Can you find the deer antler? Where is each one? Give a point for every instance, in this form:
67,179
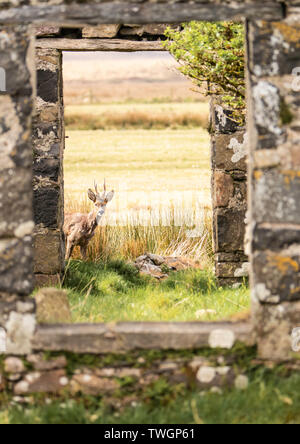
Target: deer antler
96,186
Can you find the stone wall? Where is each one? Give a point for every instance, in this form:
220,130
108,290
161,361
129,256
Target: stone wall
229,196
16,219
274,132
123,378
48,151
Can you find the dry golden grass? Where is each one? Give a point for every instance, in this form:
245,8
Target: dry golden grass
140,116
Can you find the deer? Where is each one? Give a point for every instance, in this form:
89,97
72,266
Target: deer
80,228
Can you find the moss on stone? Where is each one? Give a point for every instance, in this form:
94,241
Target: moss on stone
286,115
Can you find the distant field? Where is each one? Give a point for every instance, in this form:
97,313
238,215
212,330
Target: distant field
91,78
137,115
146,168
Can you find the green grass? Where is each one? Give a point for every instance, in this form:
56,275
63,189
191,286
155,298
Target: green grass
115,291
270,399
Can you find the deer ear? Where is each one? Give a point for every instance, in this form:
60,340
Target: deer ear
110,196
91,195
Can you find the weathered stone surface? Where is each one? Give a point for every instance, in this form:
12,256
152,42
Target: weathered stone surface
223,189
231,269
276,196
93,385
48,82
48,168
229,151
277,275
46,382
52,306
124,336
20,329
79,13
39,362
275,237
215,377
16,265
100,31
230,230
16,205
47,280
156,29
46,201
48,253
43,31
273,326
237,256
13,365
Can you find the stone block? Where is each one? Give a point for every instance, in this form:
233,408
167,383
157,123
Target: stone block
47,139
46,206
276,196
221,120
52,306
46,382
48,253
229,269
16,203
155,29
47,280
274,325
229,230
46,31
229,151
49,168
223,189
16,267
270,237
101,31
277,275
48,84
14,48
93,385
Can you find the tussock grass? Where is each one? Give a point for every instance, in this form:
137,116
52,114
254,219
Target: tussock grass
115,291
134,116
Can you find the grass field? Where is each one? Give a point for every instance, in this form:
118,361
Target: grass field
116,292
137,115
269,399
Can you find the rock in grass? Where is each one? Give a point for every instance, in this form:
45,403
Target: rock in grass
53,306
159,267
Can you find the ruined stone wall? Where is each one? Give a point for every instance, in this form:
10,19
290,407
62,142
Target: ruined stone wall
16,219
274,133
229,196
122,379
48,151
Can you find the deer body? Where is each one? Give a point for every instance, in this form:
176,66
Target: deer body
80,228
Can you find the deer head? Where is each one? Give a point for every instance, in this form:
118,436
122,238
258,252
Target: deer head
100,200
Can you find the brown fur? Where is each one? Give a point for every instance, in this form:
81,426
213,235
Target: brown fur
80,228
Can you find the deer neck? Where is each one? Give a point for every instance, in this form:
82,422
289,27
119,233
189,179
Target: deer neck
96,216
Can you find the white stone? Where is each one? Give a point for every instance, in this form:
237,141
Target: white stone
64,381
20,330
223,371
24,229
21,388
206,374
221,338
13,365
